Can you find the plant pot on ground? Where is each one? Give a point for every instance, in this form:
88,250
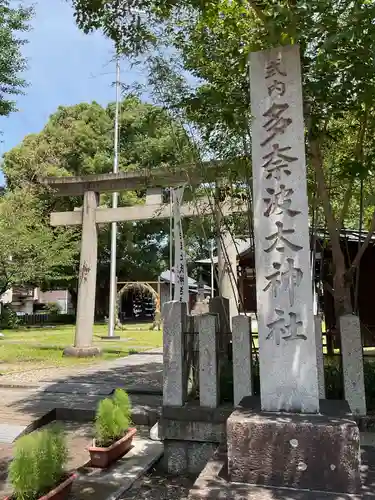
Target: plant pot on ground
113,434
37,471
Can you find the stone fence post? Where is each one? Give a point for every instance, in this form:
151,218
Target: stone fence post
352,363
242,362
175,317
319,355
208,362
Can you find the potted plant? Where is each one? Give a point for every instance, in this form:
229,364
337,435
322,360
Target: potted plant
113,434
37,471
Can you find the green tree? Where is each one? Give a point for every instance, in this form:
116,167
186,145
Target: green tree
13,21
213,40
30,250
78,140
75,141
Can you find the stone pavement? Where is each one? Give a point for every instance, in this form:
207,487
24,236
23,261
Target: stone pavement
36,376
81,389
136,372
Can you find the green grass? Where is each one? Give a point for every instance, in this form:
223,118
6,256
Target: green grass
26,349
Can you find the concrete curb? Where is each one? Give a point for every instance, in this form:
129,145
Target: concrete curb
141,415
121,491
126,471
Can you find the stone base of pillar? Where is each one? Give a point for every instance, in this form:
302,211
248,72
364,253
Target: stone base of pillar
82,352
190,435
312,452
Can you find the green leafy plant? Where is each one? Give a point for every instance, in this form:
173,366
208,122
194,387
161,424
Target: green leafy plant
112,418
53,308
38,464
9,318
121,400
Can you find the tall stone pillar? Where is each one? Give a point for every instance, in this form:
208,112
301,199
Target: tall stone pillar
306,446
86,281
287,351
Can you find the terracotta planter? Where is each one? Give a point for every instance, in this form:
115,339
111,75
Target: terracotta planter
61,492
103,457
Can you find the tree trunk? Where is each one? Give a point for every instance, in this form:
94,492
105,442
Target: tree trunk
74,297
341,290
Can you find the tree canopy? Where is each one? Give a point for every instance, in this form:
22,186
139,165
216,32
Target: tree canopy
212,40
31,252
13,21
78,140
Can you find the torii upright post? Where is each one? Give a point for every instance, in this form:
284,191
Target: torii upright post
86,281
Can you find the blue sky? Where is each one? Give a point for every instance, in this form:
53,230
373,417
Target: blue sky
65,67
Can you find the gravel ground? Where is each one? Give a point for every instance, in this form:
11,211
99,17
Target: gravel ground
36,375
157,485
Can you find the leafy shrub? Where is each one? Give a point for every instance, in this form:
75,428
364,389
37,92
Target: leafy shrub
53,308
112,418
9,318
333,378
121,400
38,464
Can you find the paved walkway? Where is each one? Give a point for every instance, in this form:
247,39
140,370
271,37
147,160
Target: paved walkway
36,376
81,388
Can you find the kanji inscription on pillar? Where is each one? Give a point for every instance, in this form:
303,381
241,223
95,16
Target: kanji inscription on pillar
288,367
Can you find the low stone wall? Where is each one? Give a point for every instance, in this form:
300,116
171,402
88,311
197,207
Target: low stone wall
191,434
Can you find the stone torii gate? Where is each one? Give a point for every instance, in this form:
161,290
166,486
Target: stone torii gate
92,214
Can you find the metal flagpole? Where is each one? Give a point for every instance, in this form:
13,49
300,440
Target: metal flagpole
113,285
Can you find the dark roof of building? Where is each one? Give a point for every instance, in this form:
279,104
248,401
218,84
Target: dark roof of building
168,276
244,245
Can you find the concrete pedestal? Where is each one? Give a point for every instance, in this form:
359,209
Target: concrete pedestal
316,452
213,484
191,434
82,352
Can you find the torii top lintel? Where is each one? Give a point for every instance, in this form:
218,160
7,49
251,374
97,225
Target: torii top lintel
122,181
